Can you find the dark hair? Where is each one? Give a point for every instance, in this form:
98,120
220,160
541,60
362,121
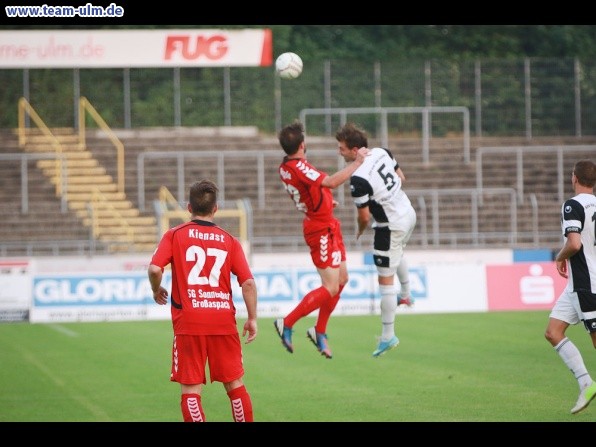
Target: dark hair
291,136
585,171
352,136
203,197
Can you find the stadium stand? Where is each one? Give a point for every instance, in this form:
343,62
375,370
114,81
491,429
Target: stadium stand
444,192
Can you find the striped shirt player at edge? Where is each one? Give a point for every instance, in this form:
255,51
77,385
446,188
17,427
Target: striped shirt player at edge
202,257
576,261
310,190
376,188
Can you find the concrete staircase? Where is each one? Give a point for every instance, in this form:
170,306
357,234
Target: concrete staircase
92,193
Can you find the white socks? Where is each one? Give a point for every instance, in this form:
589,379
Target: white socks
574,361
404,278
388,307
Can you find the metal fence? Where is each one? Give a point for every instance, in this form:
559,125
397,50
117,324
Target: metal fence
530,97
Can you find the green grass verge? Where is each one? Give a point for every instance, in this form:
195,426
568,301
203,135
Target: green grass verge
469,367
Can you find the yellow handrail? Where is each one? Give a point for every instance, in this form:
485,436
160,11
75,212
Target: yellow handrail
172,210
85,106
166,197
98,197
25,108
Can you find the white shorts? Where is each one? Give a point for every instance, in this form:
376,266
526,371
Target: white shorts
569,307
389,245
566,308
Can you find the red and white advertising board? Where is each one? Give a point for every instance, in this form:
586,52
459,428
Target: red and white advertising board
523,286
132,48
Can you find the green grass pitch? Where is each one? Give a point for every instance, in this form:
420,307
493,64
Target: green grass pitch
467,367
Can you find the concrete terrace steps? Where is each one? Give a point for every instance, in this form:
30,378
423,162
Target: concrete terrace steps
81,179
446,170
85,177
70,156
74,166
279,219
40,223
87,189
135,223
78,171
126,211
116,199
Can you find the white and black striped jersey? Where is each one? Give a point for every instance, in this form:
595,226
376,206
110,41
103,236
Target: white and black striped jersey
376,184
578,215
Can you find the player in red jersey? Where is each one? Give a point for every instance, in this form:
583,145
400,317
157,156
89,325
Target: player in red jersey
310,189
202,257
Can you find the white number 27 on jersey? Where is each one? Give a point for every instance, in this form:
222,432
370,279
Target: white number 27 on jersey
196,254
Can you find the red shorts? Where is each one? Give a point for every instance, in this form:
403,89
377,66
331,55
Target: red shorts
190,354
326,243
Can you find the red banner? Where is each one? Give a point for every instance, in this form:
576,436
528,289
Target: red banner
526,285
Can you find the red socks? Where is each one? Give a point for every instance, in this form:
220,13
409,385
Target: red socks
192,411
325,312
241,404
312,300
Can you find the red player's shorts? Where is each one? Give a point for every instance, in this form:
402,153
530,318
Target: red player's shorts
326,242
190,354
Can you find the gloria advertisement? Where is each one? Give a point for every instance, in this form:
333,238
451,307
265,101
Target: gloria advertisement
108,291
127,295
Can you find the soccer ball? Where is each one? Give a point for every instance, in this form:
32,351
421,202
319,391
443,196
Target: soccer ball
288,65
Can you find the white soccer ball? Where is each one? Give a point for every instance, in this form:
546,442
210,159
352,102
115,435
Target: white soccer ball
288,65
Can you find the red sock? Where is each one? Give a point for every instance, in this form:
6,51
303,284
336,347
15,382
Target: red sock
241,404
311,301
192,411
325,312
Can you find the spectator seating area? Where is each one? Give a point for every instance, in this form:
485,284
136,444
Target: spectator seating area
451,211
